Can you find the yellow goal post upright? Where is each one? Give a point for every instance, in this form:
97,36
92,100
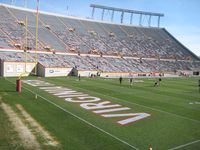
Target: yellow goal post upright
36,38
18,81
25,48
36,45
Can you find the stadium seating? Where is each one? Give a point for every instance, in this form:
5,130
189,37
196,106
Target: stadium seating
15,57
101,64
82,36
107,39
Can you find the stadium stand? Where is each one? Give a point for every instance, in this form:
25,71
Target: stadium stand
14,57
103,64
86,44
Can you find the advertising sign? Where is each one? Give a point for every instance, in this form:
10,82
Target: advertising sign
19,68
9,68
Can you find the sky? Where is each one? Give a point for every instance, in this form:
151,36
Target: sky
181,17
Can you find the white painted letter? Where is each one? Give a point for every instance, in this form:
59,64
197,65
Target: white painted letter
83,99
110,110
136,117
98,105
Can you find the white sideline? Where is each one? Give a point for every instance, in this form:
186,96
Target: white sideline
98,128
155,109
181,146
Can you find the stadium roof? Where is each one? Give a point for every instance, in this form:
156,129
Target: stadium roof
126,10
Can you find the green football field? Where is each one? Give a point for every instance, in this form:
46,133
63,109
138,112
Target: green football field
174,108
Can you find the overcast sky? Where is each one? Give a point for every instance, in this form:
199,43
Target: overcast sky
182,17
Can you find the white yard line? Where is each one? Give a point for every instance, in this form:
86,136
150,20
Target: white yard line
184,145
155,109
98,128
37,127
28,139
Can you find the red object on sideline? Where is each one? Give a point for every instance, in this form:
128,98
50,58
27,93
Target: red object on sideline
18,86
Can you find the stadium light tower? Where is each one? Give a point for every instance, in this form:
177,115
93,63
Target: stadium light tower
13,2
67,7
25,3
127,11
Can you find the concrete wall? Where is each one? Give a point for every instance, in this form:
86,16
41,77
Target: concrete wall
118,74
87,73
1,67
186,72
74,72
127,74
41,70
56,72
15,69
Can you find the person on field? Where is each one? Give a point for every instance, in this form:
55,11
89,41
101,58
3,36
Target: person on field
159,80
120,79
199,85
79,77
131,81
156,83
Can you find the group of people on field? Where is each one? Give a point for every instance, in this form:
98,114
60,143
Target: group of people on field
130,80
157,82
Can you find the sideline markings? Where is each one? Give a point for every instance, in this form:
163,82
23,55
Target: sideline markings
98,128
27,137
195,103
37,128
181,146
155,109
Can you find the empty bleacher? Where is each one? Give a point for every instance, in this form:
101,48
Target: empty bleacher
132,45
102,64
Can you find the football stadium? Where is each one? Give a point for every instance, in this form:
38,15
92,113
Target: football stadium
74,83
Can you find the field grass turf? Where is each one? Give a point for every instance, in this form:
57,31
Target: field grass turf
174,109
